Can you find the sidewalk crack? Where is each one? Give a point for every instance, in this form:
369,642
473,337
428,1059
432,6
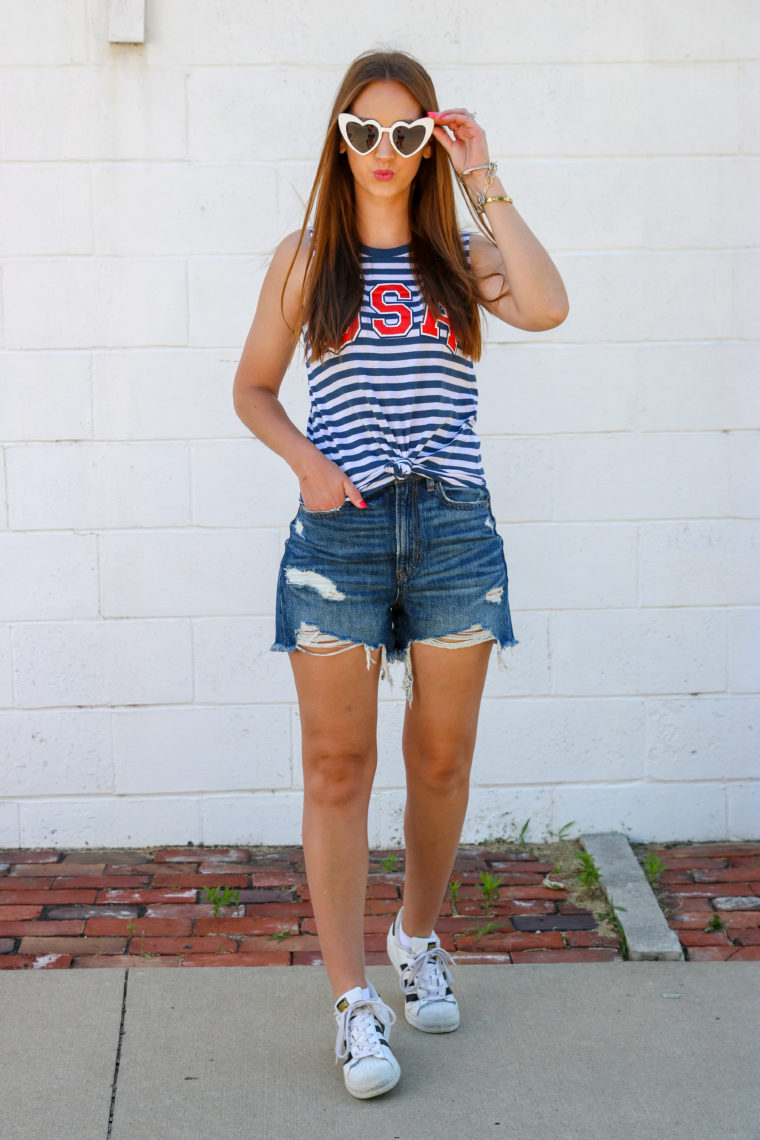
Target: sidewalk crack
118,1055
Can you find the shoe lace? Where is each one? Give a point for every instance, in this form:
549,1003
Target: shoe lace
430,972
358,1033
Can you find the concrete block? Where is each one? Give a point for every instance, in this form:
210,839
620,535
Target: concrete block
647,933
174,208
4,499
648,476
743,655
677,391
588,111
645,812
676,284
542,389
297,102
614,652
170,751
550,31
48,576
703,738
44,33
80,113
638,202
220,34
554,740
519,476
9,831
83,486
545,388
164,394
294,181
223,294
6,673
45,396
744,810
526,669
704,563
253,818
56,753
500,813
103,663
126,21
747,293
688,30
749,96
100,302
189,573
744,468
241,483
570,566
234,665
126,821
50,206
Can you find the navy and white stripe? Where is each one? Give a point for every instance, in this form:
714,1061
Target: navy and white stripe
396,400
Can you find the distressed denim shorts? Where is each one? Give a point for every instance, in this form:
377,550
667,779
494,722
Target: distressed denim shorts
423,561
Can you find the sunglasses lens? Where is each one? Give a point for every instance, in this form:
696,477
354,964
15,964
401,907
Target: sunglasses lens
409,139
361,136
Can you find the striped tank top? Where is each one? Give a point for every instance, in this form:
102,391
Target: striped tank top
399,398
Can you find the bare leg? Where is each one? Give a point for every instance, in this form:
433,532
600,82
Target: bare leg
337,698
439,740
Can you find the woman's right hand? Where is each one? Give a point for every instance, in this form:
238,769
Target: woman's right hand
324,487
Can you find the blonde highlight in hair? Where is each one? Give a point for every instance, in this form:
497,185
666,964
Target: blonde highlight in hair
333,283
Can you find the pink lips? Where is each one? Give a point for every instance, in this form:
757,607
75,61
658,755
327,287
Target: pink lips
383,175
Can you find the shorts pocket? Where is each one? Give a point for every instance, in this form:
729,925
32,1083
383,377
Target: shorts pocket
463,498
331,513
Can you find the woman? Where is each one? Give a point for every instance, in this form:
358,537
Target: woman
393,553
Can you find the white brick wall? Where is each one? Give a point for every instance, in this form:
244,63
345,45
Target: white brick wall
144,188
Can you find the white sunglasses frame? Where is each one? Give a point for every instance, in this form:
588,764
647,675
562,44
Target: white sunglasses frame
344,118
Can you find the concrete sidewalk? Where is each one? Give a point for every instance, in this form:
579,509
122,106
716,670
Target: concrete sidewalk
646,1050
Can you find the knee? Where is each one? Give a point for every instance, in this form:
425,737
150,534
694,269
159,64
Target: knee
337,779
442,772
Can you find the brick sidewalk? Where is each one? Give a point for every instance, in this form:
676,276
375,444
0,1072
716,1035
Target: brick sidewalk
711,896
135,908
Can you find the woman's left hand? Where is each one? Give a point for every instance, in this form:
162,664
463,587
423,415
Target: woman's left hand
468,147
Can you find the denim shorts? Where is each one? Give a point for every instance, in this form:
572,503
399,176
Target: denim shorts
422,560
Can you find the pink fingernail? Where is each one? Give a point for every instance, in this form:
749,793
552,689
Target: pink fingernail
362,503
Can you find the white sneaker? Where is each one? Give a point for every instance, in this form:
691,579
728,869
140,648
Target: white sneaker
425,979
369,1067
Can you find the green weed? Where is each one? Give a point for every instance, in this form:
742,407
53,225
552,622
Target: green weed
589,872
390,862
222,897
489,886
280,936
653,868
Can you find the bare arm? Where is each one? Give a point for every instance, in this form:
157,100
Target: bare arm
267,352
536,299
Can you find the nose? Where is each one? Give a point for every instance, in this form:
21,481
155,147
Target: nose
384,147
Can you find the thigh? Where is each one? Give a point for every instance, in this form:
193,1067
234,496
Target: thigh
337,701
442,720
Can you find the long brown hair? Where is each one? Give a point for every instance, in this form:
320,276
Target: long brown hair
333,283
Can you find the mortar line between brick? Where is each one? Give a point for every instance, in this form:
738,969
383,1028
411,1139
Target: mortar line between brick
117,1062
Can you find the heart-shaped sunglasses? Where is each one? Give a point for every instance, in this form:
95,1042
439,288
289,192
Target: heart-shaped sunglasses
363,135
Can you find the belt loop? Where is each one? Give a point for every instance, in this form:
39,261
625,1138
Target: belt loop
430,484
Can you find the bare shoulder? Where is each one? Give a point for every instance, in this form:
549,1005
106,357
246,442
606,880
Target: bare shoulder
288,268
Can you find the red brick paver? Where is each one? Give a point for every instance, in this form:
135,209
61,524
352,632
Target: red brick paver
711,895
96,909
